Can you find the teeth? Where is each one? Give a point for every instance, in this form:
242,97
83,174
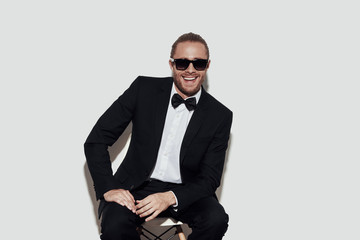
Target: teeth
189,78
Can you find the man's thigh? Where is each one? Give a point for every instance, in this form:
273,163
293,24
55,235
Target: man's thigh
113,212
119,223
204,208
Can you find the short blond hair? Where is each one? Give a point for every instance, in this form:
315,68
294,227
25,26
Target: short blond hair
192,37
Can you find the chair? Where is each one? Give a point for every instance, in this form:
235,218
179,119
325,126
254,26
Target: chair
162,222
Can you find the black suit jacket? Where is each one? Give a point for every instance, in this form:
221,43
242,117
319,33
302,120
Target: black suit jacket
145,104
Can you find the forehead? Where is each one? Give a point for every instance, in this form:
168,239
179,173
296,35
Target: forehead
190,50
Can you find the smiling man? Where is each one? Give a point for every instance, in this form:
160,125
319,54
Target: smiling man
188,78
176,154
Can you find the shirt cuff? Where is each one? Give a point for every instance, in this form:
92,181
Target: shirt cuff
176,204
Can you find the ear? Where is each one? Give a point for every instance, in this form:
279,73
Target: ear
208,65
171,65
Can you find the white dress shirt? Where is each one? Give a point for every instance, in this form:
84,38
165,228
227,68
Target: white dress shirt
167,168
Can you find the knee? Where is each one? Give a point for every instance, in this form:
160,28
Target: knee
207,219
214,221
115,224
212,225
111,227
218,221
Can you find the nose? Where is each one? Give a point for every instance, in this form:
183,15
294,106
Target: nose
190,68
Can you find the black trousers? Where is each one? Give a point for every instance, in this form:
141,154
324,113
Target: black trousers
206,217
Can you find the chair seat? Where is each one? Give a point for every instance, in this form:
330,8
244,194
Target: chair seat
170,223
163,222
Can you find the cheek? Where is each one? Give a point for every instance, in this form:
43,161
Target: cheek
201,78
176,73
177,77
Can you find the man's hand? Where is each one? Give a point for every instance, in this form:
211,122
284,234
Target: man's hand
122,197
154,204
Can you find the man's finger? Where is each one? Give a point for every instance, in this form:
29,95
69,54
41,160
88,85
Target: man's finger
131,207
147,213
142,210
129,196
120,201
126,195
152,216
142,203
127,204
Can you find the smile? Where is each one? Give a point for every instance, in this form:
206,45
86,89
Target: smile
189,78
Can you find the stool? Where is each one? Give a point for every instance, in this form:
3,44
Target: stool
162,222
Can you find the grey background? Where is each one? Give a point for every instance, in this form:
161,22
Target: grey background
289,70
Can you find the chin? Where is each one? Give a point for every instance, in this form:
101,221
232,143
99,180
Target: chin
181,84
189,92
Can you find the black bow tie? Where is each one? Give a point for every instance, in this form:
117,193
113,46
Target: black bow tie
190,103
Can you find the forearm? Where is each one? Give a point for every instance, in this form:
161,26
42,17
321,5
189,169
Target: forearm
99,164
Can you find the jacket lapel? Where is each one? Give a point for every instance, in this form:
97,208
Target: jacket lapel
162,103
195,123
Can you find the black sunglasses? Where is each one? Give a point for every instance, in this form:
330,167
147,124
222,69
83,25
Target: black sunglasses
183,64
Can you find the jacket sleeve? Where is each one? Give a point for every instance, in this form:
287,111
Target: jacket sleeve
209,177
106,131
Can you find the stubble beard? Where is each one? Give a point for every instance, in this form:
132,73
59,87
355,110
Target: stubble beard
189,93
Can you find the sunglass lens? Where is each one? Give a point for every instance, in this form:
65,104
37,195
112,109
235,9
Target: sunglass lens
182,64
200,64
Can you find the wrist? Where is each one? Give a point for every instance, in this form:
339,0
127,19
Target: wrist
174,201
171,198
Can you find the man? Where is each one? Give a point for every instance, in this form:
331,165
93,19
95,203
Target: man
176,154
